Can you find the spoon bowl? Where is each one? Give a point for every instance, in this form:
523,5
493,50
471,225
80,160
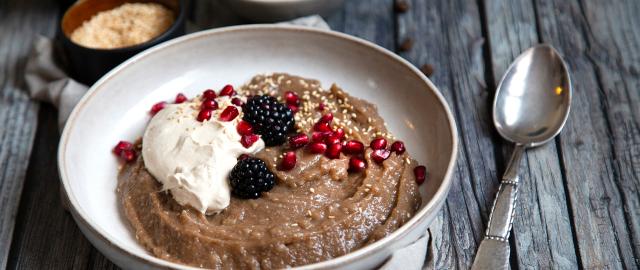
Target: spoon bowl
532,100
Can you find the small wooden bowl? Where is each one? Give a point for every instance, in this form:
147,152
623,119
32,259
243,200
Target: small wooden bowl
87,65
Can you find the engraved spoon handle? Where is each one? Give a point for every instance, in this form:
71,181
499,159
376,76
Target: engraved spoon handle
493,252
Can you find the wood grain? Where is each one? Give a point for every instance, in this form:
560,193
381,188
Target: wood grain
579,205
542,231
372,20
46,235
19,22
447,35
599,140
612,31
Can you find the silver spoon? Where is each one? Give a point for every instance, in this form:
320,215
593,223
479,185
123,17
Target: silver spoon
530,108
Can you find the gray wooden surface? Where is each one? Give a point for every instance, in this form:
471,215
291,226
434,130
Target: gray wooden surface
579,205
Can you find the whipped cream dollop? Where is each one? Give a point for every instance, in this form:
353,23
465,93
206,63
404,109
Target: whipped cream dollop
193,159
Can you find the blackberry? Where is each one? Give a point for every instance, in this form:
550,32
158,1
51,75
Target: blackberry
270,118
250,177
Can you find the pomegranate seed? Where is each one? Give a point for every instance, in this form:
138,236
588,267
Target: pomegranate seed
326,118
227,90
209,104
243,156
380,155
180,98
333,151
288,161
332,139
317,148
339,133
298,140
321,106
353,147
291,98
318,136
293,108
157,107
121,146
356,164
379,143
421,174
398,147
204,115
236,101
248,140
322,126
209,94
244,128
229,113
128,155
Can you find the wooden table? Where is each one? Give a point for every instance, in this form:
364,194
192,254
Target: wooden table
579,205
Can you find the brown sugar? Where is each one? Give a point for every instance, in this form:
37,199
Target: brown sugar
127,25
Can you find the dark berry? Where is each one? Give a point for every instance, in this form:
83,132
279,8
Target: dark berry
250,177
269,118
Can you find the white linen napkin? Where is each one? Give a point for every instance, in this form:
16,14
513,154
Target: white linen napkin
47,82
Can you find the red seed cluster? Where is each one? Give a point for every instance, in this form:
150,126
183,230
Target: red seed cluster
227,90
298,140
209,94
292,100
237,101
229,113
244,128
325,140
421,174
248,140
209,105
157,107
288,161
124,150
180,98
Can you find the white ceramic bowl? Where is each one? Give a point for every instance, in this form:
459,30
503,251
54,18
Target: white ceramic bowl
116,108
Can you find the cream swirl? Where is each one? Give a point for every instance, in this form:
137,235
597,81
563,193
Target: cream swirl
193,159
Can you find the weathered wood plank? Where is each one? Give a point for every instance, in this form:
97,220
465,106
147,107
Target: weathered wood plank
600,125
615,52
46,236
447,35
19,22
542,232
371,20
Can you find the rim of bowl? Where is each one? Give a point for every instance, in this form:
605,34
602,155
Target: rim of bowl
358,254
178,21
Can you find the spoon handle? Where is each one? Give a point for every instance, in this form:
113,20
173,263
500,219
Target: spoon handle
493,252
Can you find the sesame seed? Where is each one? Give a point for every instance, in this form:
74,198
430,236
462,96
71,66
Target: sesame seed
331,217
